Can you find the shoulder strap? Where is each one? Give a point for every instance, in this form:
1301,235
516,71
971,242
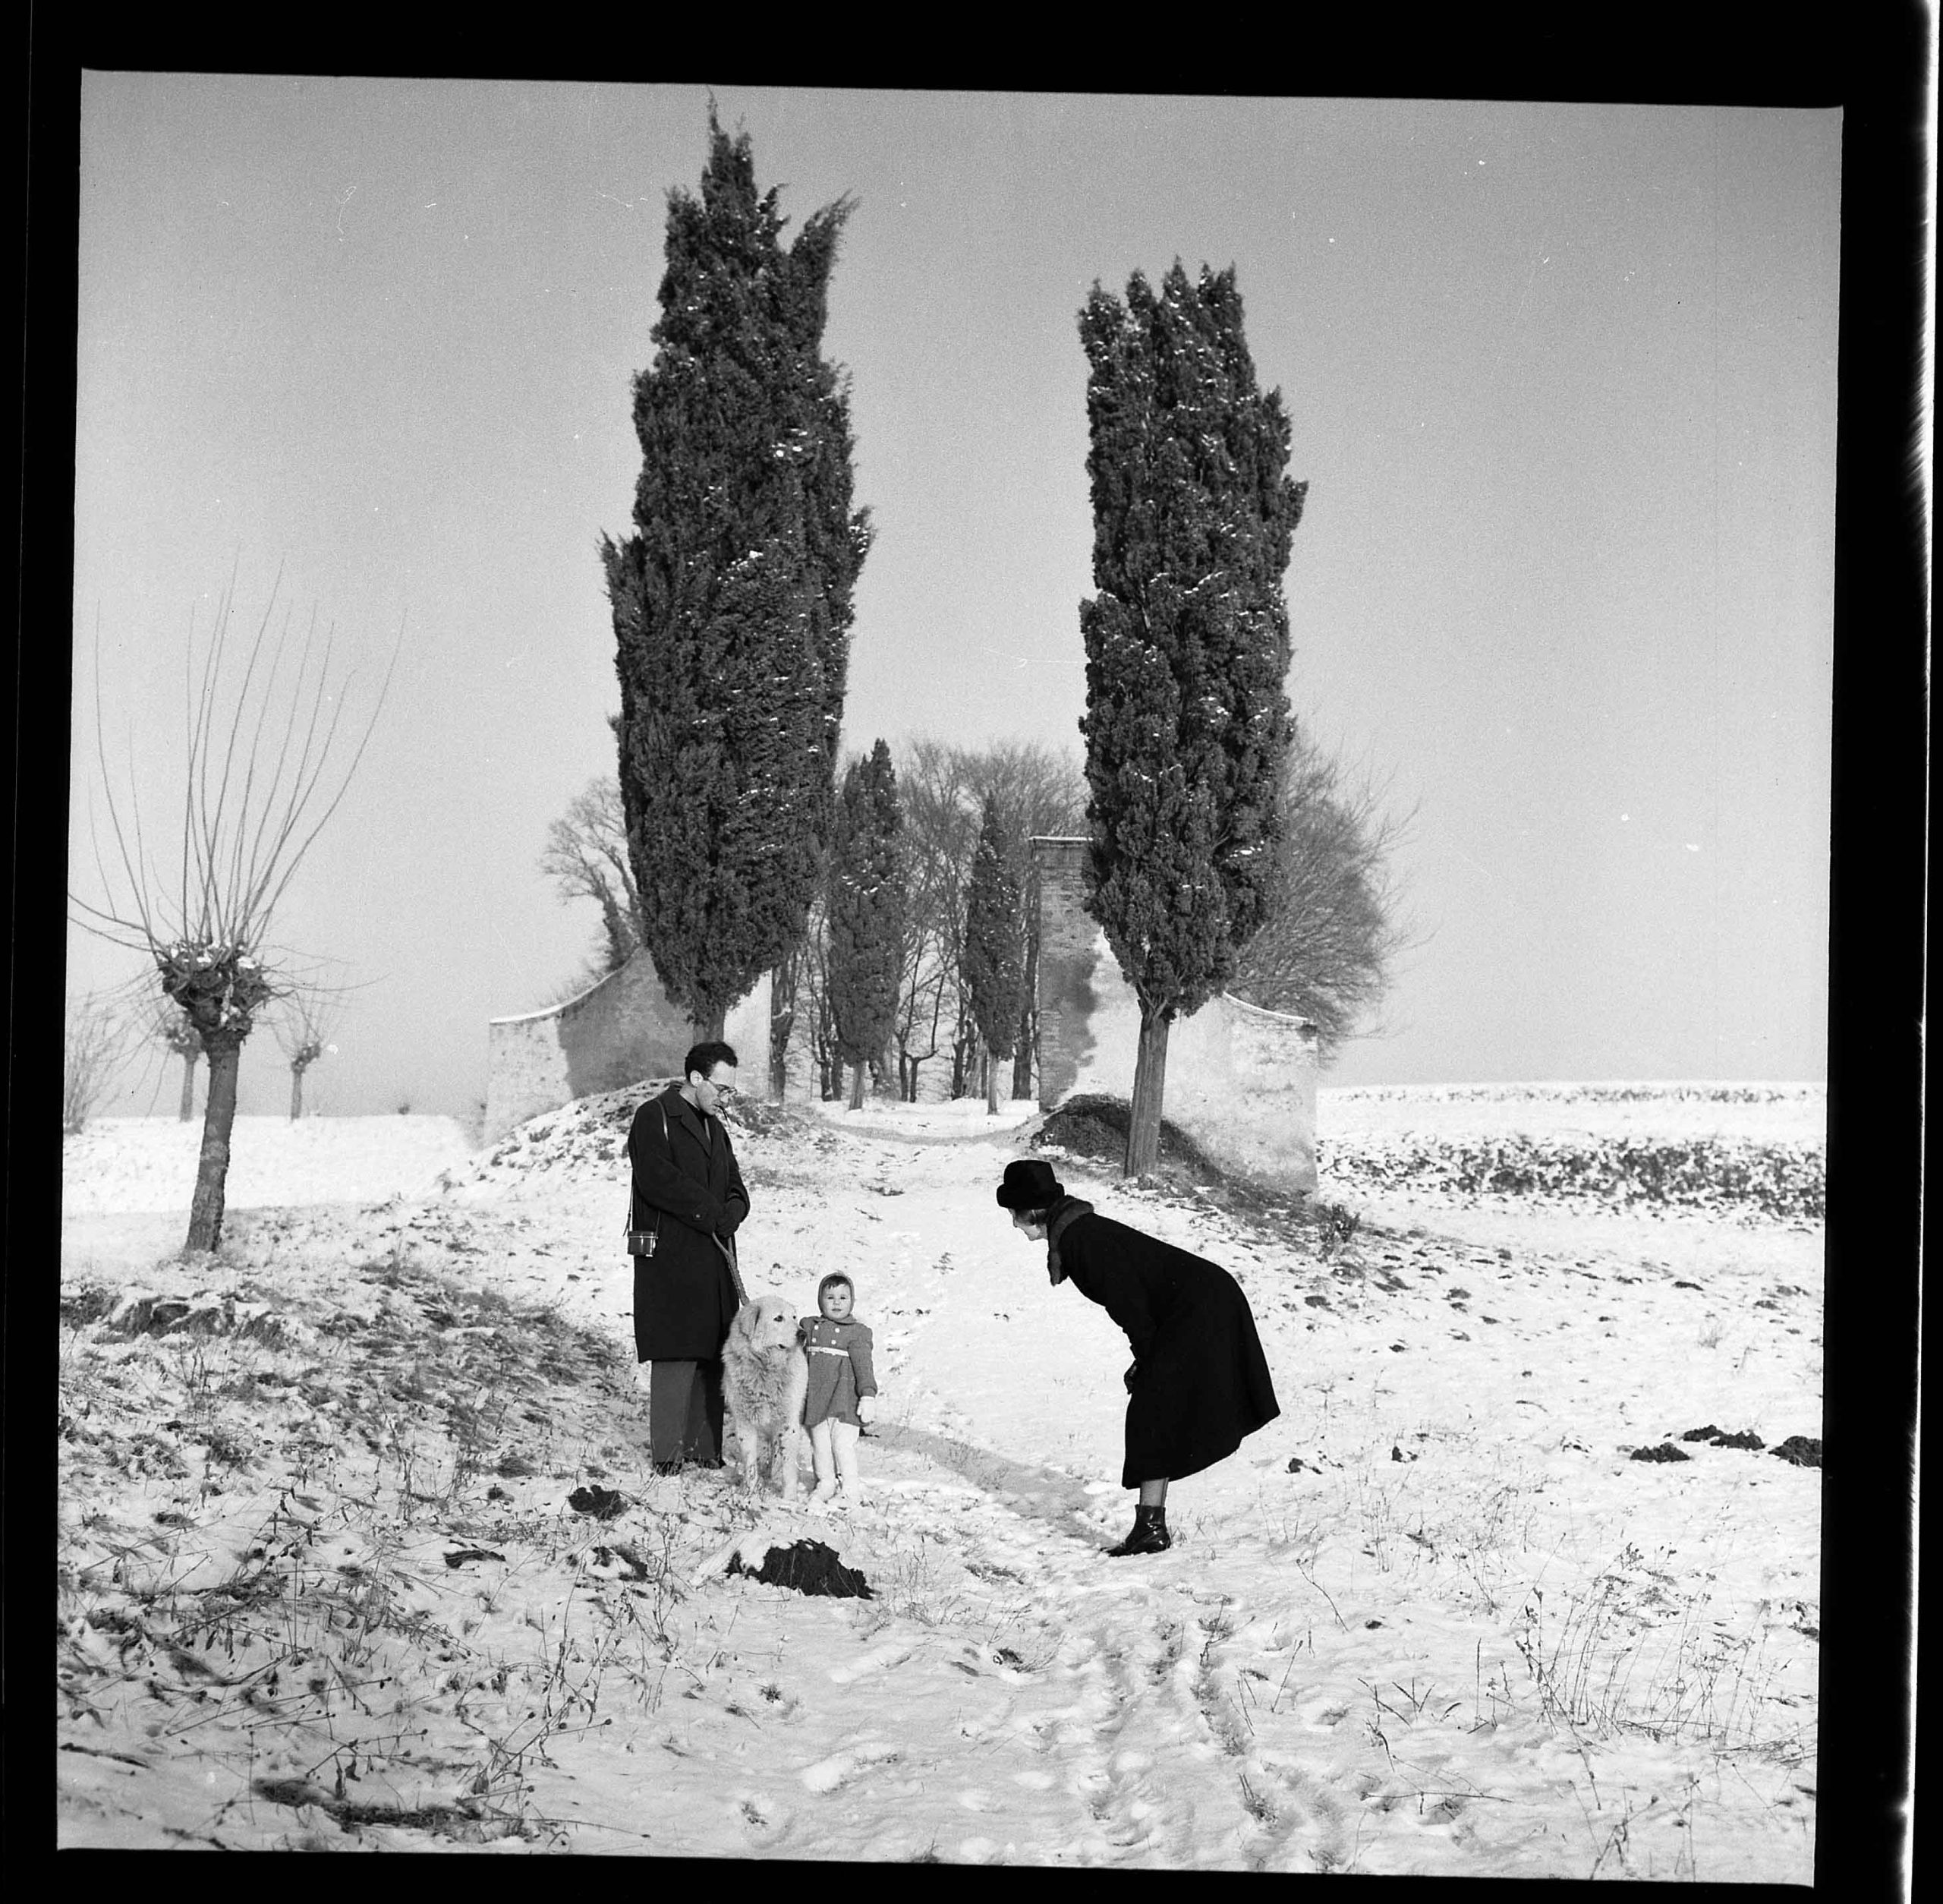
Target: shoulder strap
667,1137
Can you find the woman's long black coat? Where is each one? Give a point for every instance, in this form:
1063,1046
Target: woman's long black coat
688,1186
1200,1381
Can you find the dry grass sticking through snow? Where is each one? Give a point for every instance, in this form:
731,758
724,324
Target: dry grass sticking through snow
360,1546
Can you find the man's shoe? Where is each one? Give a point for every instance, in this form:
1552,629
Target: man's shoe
1150,1533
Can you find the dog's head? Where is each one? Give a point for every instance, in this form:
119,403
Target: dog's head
765,1325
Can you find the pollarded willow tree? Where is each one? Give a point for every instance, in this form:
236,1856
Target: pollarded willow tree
305,1023
732,598
994,947
257,789
866,906
179,1038
1187,649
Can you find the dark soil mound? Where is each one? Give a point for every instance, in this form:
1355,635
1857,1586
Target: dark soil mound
1804,1450
1666,1452
1720,1438
1095,1126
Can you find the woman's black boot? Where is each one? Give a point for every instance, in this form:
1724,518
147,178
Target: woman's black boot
1150,1533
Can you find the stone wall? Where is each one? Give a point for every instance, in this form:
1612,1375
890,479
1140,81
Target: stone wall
1241,1081
616,1033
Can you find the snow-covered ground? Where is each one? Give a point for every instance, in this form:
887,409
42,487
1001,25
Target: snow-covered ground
324,1585
120,1164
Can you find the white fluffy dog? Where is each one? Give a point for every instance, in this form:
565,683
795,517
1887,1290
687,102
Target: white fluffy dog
765,1376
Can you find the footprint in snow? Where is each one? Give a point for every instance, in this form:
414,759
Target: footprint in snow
826,1774
879,1658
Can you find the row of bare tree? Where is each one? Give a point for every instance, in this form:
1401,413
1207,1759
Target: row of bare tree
102,1030
941,791
1322,953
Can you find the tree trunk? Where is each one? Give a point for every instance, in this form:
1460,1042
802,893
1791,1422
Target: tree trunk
188,1110
782,1022
1150,1077
704,1031
1027,1040
212,1167
993,1063
296,1092
1027,1043
857,1085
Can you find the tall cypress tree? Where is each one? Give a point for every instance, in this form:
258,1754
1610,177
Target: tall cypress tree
994,947
866,904
1187,648
732,598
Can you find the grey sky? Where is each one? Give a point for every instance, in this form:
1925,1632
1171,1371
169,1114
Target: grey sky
1562,381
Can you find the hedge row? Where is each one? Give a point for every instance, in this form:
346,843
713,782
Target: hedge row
1784,1181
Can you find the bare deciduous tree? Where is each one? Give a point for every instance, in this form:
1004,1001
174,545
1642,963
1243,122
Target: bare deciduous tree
255,795
96,1035
820,1016
785,985
941,829
1039,792
586,857
1334,927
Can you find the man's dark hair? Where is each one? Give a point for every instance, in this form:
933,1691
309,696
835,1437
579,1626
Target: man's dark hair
704,1057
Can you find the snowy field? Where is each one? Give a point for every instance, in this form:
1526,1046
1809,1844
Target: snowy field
324,1583
118,1165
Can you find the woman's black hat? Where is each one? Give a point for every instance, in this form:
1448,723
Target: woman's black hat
1029,1184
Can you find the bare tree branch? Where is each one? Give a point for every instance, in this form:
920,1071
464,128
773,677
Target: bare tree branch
97,1034
586,856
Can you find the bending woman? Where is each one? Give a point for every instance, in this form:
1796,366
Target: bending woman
1199,1381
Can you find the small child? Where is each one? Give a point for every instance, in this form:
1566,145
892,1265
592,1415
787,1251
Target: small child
842,1393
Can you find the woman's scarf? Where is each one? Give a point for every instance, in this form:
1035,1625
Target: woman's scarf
1063,1213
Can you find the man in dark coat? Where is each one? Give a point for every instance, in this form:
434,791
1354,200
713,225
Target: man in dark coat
1199,1381
688,1191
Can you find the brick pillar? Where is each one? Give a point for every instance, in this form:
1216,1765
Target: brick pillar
1067,951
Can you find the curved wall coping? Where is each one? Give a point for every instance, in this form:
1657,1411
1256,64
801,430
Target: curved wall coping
1262,1011
554,1010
